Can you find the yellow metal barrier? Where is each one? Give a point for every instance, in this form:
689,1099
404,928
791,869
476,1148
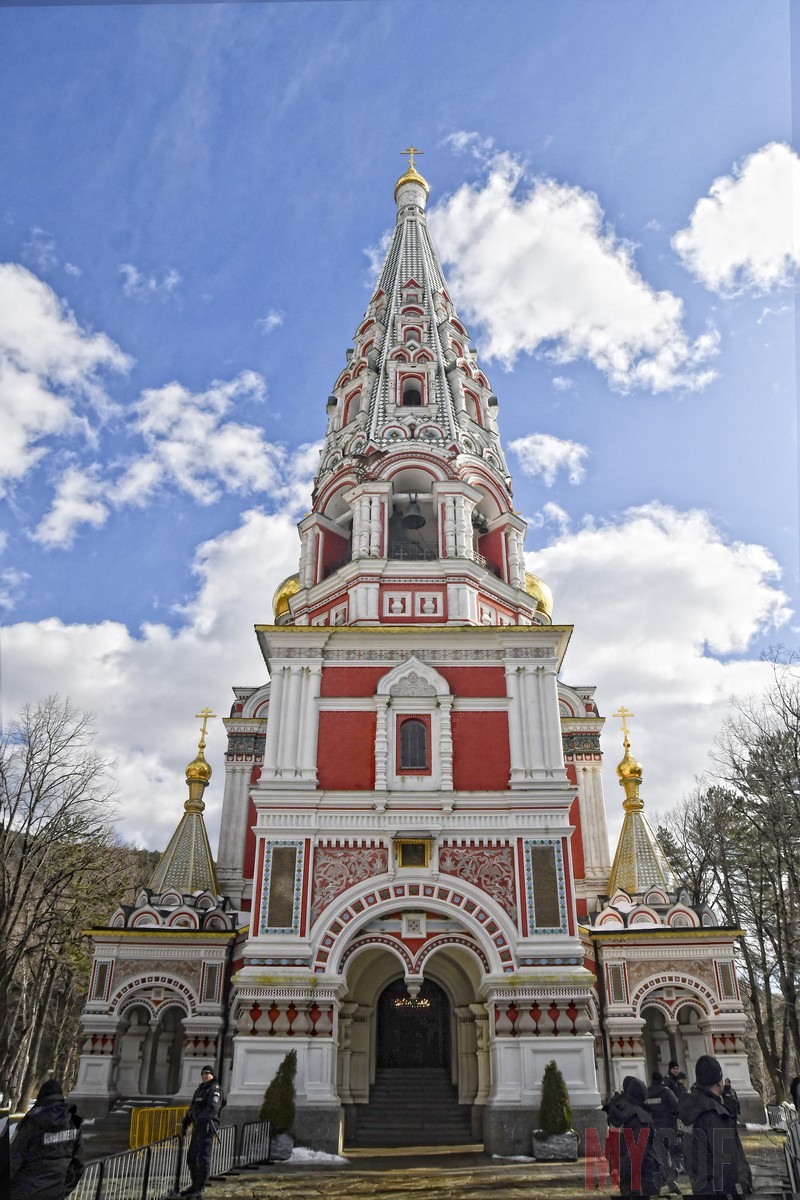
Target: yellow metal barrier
152,1124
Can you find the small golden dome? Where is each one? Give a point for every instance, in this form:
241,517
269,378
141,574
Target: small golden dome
538,590
198,769
283,594
412,175
629,768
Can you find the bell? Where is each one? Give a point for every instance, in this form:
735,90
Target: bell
412,517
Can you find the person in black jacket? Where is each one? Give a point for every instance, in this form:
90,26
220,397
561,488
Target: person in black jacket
714,1155
45,1154
662,1104
203,1116
629,1145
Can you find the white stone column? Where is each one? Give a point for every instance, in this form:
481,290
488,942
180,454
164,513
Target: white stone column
446,746
482,1053
290,720
515,719
382,744
233,827
309,722
272,742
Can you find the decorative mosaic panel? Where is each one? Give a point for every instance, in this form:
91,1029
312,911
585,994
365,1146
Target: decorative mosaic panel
336,868
281,887
581,743
545,888
491,868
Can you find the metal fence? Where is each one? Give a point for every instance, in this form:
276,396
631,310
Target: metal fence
153,1172
154,1125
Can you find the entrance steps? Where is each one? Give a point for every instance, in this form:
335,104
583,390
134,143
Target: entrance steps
413,1107
111,1134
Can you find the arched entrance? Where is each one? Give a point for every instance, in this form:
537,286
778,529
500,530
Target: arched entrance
413,1031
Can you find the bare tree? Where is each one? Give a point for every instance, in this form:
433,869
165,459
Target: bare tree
56,862
736,842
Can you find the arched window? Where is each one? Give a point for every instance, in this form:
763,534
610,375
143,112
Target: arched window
413,746
412,393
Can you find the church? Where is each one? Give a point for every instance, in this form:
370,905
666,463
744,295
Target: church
413,887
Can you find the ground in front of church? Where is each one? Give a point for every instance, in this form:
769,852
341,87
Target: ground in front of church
455,1173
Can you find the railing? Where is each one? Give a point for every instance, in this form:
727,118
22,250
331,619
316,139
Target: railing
154,1124
153,1172
779,1116
791,1152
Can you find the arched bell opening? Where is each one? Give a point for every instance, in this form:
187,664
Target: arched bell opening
413,528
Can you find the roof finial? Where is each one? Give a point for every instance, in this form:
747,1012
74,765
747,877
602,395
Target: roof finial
418,194
629,770
411,151
198,771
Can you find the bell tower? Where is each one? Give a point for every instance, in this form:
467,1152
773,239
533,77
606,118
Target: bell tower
411,517
398,817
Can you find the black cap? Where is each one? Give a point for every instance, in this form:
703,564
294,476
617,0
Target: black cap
708,1071
658,1077
51,1088
672,1064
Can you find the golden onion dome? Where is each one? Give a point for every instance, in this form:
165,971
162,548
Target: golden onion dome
198,770
629,768
412,175
538,590
283,594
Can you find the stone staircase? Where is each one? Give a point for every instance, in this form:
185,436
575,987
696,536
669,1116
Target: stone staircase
413,1108
111,1134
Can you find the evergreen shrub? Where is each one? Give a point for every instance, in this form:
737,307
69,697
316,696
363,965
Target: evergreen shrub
279,1106
555,1114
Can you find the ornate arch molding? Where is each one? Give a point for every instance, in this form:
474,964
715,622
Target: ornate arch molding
412,677
702,996
489,925
128,994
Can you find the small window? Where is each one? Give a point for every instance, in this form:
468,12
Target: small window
413,746
101,981
211,974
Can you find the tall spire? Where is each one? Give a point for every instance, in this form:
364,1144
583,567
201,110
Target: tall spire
186,865
639,862
413,490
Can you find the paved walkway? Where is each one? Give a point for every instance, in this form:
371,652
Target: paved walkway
448,1173
427,1173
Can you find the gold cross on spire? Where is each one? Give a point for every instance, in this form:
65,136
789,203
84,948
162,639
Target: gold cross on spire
623,712
205,714
411,151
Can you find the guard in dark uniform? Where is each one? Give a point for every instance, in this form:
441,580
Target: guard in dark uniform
203,1116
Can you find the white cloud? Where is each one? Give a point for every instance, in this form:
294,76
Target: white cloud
376,256
189,447
40,249
475,144
49,365
745,234
77,502
139,286
102,666
545,455
271,321
71,269
192,447
658,601
540,270
562,383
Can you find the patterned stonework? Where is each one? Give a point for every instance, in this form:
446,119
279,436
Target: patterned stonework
490,868
338,868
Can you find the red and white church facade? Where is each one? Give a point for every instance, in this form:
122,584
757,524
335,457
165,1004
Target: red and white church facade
413,868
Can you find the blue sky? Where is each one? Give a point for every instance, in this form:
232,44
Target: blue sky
193,196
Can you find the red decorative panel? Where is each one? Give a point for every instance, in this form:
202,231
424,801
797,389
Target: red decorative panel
350,681
475,681
481,753
337,868
576,841
491,868
346,751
